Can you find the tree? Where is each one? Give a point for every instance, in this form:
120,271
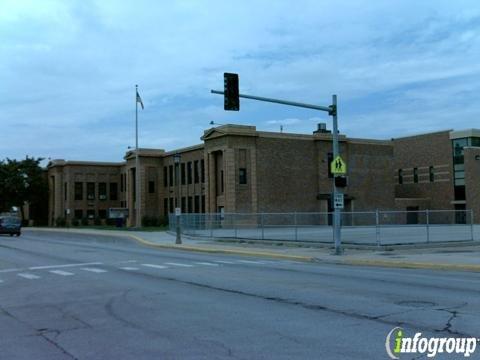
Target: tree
23,182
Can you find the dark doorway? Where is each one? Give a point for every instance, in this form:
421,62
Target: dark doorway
330,212
412,214
460,214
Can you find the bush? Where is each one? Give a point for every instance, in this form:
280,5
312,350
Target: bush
149,221
75,222
111,222
84,222
97,221
60,222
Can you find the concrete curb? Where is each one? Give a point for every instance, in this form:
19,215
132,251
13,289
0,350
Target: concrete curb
273,255
412,265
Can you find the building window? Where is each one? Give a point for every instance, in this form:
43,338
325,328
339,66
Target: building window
151,187
203,203
184,204
102,214
165,184
197,204
78,214
202,170
431,174
182,173
329,161
102,191
170,175
90,191
189,207
400,176
171,205
196,175
189,172
113,191
65,191
222,185
165,207
242,176
78,191
90,214
415,175
121,183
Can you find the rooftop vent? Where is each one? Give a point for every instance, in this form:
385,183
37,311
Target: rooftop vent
322,129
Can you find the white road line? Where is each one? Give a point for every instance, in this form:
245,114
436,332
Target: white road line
1,281
224,262
60,272
62,266
10,270
29,276
155,266
206,264
127,261
250,262
178,264
94,270
128,268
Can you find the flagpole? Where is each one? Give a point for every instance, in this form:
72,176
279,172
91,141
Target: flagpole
137,165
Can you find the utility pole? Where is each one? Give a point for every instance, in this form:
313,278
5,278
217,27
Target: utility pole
138,223
177,157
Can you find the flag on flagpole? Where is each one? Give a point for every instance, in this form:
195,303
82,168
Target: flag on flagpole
139,100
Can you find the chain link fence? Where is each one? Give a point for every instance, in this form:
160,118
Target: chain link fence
367,228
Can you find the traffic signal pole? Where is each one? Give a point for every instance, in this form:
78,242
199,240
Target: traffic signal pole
332,111
336,212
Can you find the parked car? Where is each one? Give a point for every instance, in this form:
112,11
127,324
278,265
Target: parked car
10,225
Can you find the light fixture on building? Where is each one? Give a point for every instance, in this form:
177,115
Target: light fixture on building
215,123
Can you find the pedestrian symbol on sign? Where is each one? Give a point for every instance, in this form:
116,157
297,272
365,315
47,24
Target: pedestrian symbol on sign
338,166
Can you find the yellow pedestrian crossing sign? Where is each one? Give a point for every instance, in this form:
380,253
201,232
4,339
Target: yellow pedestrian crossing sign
338,166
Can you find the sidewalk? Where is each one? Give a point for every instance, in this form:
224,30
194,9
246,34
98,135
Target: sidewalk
461,258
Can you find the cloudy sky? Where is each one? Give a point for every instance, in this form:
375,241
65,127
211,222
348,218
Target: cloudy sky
68,69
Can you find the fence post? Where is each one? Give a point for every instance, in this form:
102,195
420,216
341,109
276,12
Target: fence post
235,224
471,224
428,225
377,226
261,223
295,223
211,224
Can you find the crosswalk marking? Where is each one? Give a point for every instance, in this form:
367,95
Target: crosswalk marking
155,266
224,262
60,272
29,276
62,266
94,270
178,264
129,268
206,264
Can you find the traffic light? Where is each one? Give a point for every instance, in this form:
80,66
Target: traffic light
232,100
340,181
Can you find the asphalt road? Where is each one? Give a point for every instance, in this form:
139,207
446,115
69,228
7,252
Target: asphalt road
89,297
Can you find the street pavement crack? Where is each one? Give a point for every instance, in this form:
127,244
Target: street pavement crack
453,311
43,334
315,307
